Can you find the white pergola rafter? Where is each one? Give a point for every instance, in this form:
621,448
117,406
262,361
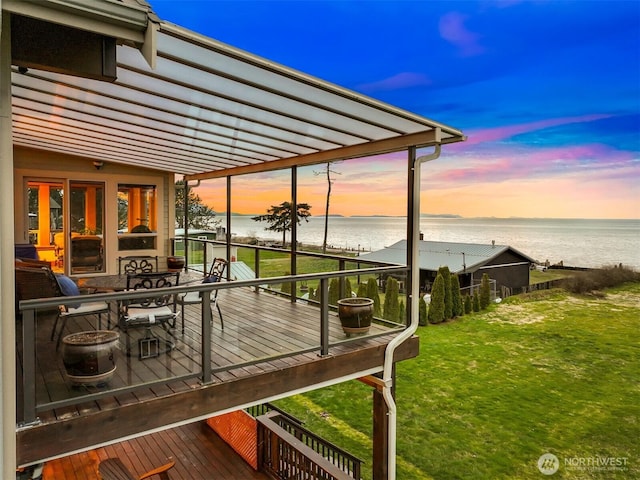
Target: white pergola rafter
208,110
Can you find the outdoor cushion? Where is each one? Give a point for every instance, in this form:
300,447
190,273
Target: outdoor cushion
68,288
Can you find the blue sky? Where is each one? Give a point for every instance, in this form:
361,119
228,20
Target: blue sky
548,92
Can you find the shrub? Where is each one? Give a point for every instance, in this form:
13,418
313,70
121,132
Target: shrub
402,313
457,308
334,291
286,287
594,280
485,291
468,307
436,306
362,290
373,294
391,305
448,304
476,302
422,309
348,292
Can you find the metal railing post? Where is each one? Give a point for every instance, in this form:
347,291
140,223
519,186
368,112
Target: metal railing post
206,337
29,365
324,317
256,267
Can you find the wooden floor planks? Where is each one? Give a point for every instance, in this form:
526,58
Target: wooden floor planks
257,327
197,450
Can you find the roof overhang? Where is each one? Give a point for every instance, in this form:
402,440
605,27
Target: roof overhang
126,20
206,110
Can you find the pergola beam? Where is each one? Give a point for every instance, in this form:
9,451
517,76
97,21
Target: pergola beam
420,139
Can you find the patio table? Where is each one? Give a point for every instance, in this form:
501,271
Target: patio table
118,283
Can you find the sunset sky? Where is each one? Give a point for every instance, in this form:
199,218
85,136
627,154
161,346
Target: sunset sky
548,93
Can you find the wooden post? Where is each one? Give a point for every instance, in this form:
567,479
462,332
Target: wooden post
381,434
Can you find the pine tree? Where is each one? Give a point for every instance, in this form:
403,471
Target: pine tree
373,294
457,307
422,308
476,302
468,307
334,291
390,310
448,304
485,291
436,306
347,288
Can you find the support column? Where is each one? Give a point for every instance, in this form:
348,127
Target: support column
294,229
381,434
7,254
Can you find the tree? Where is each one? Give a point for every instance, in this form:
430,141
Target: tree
391,306
468,307
373,294
422,308
347,288
402,312
362,290
456,299
448,305
279,217
485,291
201,217
334,291
327,171
476,301
436,306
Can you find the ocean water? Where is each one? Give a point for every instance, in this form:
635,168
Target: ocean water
575,242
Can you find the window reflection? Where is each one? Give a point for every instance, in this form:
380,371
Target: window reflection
137,217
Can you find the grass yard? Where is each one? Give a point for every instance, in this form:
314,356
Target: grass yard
491,392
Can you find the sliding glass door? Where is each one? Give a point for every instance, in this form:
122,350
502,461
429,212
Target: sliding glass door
66,225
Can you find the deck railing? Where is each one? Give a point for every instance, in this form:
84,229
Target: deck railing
199,257
286,450
203,370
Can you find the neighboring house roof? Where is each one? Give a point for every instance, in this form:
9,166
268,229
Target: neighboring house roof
205,110
459,257
241,271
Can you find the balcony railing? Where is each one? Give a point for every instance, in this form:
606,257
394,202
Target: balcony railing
286,450
43,388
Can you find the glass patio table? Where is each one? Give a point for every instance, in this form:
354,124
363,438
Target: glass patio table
118,283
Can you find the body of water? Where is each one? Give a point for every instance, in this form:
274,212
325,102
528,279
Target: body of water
576,242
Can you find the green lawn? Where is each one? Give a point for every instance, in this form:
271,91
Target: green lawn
493,391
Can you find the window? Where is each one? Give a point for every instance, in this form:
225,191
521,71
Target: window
137,217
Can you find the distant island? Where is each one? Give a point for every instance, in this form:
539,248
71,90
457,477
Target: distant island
337,215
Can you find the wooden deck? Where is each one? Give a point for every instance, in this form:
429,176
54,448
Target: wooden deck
199,453
269,346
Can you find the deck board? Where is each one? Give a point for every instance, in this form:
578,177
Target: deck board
197,450
264,336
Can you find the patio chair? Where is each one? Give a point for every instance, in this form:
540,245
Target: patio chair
114,469
86,251
152,311
216,274
40,282
137,264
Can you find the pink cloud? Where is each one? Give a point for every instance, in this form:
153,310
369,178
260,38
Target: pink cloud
500,133
508,164
396,82
453,30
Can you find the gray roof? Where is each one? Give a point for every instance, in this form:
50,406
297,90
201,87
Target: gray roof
459,257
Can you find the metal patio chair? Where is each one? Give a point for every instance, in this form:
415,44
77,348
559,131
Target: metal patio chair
149,312
216,274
